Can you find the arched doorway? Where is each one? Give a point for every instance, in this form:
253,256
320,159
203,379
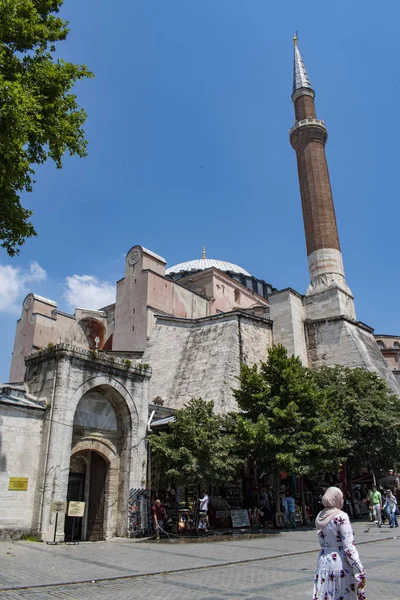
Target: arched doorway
95,519
87,483
99,456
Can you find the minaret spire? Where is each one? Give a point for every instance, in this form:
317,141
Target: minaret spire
308,137
301,80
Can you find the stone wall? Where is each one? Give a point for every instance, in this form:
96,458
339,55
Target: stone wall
143,291
225,293
42,324
339,340
63,375
331,302
256,338
192,358
287,313
389,345
20,440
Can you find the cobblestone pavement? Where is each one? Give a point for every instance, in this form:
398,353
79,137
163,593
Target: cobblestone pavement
275,567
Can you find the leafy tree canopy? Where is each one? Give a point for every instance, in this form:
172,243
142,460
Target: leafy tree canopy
287,424
197,449
39,116
372,414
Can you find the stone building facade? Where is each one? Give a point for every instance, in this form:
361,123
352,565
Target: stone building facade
389,345
85,387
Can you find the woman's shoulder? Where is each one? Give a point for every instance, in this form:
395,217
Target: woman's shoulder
341,518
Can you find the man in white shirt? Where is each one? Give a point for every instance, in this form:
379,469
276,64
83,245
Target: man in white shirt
203,508
204,500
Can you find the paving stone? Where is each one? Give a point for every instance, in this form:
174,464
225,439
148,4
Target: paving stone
272,568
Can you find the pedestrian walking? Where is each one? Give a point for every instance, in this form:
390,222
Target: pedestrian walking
159,515
291,510
203,511
368,498
284,508
375,500
265,507
391,508
340,574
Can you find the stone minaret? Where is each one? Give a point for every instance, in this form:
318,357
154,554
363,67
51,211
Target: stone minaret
308,137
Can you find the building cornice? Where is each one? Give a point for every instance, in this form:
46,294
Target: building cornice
231,315
98,360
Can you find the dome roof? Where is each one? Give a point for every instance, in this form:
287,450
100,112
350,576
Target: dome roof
202,264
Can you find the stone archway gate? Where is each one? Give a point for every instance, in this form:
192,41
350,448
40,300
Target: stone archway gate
63,374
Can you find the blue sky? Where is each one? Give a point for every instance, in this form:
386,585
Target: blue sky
188,145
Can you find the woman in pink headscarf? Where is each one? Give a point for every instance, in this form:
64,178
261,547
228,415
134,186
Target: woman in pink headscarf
340,574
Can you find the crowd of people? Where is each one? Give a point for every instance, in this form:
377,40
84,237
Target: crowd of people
382,506
159,515
263,511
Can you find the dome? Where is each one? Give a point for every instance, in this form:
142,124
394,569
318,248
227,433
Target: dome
202,264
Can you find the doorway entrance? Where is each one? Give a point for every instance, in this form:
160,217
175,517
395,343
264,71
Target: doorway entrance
95,520
87,483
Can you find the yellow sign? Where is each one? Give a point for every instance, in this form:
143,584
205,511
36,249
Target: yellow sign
76,509
19,484
58,506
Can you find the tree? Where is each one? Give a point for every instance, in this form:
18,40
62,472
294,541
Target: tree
39,115
372,415
286,424
198,449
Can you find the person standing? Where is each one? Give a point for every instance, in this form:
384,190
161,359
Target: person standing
291,509
390,508
284,508
159,515
371,514
340,574
265,507
375,500
203,509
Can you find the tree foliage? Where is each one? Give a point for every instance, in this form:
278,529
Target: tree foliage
39,115
198,448
371,413
286,423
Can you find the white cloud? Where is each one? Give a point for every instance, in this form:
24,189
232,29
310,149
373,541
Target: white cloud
36,273
86,291
14,285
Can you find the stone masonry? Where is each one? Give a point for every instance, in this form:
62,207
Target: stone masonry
202,357
62,376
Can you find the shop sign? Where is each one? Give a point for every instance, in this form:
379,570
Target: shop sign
76,509
58,506
19,484
240,518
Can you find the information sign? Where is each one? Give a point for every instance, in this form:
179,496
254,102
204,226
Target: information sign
19,484
76,509
240,518
58,506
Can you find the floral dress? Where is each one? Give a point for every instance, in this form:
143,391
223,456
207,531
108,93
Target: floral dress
340,574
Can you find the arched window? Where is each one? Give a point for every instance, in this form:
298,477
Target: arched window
94,332
380,344
94,411
396,345
237,296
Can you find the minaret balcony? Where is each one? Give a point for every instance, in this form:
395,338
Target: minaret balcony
306,123
307,130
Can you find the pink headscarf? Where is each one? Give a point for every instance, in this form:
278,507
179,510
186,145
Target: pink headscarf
333,502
